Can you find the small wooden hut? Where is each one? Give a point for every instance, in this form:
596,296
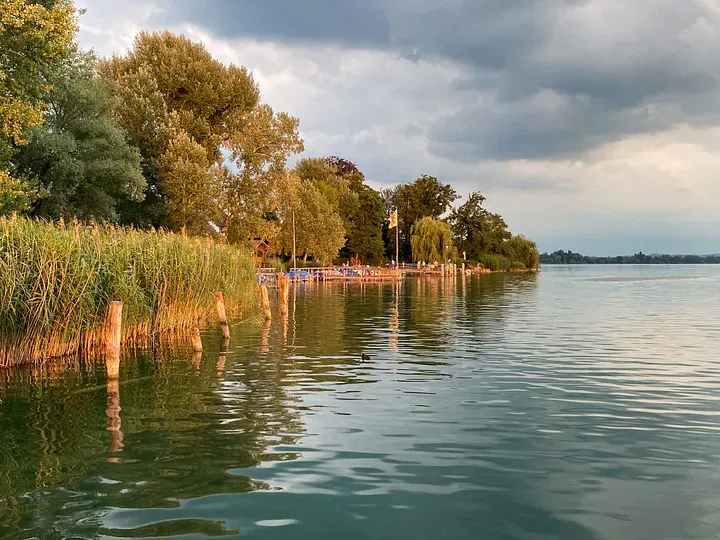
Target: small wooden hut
259,249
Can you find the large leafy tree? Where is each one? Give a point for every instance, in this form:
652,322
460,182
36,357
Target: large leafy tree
190,187
260,150
477,230
363,213
169,85
365,234
80,158
425,197
34,38
432,240
319,231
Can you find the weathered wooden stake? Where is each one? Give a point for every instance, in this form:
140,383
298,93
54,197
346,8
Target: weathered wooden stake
265,302
222,317
112,340
283,285
197,340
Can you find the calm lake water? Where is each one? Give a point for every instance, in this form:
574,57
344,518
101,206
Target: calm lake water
580,403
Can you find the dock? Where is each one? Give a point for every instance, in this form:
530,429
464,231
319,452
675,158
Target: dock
357,273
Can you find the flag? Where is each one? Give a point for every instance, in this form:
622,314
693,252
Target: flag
393,219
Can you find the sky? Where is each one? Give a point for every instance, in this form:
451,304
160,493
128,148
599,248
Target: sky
590,125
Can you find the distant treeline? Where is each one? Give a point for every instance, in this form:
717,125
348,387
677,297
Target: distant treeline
568,257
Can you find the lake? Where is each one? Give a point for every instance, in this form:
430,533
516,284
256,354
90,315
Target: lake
579,403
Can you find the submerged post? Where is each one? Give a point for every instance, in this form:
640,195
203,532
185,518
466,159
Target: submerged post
222,317
265,302
112,340
197,340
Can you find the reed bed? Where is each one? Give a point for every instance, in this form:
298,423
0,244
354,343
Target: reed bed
56,282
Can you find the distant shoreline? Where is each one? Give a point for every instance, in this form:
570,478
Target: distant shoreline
568,257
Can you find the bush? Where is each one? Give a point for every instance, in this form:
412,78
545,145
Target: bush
494,262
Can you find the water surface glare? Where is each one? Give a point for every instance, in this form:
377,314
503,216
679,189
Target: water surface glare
580,403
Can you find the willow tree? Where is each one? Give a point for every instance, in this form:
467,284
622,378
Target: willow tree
431,240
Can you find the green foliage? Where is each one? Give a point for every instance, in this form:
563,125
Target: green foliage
425,197
260,150
319,230
80,158
523,252
365,233
477,230
169,84
494,262
431,240
189,187
57,281
33,39
16,195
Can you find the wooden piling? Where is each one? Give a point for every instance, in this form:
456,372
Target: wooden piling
283,285
265,302
197,340
222,316
112,340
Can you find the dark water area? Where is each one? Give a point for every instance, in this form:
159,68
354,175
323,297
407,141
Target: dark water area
580,403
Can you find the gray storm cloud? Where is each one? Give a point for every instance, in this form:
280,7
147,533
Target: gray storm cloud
556,77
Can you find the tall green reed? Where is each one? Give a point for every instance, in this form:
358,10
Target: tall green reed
57,280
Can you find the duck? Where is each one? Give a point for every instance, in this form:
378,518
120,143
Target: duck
365,357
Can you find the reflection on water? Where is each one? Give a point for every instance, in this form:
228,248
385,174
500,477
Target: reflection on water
581,403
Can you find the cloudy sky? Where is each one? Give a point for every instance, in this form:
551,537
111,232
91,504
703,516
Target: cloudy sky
591,125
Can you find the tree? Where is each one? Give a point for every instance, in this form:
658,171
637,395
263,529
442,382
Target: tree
16,195
80,158
189,186
431,240
319,230
260,151
343,167
523,250
425,197
170,82
34,37
365,234
478,231
335,188
363,213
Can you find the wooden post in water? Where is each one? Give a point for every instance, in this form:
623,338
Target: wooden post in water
283,286
112,340
222,317
197,340
265,302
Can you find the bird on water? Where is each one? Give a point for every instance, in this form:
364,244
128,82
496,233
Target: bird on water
365,357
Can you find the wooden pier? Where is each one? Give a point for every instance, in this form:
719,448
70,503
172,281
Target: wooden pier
357,273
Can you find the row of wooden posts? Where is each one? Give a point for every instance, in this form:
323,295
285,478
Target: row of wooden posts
113,337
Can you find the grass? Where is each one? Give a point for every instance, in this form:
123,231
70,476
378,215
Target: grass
56,282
